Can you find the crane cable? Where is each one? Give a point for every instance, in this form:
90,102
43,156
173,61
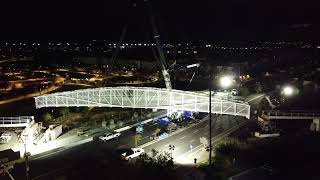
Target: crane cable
115,54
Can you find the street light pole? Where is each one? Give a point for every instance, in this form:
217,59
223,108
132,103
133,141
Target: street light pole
26,157
171,148
210,119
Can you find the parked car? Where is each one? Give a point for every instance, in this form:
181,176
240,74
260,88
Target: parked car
109,136
132,153
234,92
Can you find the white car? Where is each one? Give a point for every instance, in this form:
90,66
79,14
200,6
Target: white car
234,92
132,153
109,136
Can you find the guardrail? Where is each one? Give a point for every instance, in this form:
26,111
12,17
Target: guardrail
139,123
20,121
292,115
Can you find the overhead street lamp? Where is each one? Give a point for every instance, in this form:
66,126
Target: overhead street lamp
287,91
171,148
225,81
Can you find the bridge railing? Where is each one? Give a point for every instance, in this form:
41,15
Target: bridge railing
295,114
20,121
135,97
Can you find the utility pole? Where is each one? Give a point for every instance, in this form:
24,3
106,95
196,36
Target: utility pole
26,156
5,169
210,119
171,148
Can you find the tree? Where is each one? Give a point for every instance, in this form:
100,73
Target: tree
264,105
111,124
154,153
258,87
47,117
244,91
84,109
64,111
156,132
170,127
228,148
157,161
137,138
120,123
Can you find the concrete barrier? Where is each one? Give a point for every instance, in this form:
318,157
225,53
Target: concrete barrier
137,124
259,135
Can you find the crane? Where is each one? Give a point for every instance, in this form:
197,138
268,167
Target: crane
159,54
161,58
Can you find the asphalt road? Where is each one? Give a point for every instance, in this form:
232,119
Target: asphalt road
64,159
190,138
68,157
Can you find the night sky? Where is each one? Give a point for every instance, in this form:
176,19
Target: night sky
177,20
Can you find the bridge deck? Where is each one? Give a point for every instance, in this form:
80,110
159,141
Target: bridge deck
143,97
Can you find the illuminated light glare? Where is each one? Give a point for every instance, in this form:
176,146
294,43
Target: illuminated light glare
225,81
288,91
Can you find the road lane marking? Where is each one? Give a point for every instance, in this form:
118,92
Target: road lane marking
255,98
49,154
196,131
214,139
50,172
182,137
174,133
196,151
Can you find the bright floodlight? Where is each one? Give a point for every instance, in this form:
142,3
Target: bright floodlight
225,81
288,91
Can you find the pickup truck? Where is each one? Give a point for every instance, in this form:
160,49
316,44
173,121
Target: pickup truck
109,136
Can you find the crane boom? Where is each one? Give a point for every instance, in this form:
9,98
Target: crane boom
156,37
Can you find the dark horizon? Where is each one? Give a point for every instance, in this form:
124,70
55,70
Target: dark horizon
177,21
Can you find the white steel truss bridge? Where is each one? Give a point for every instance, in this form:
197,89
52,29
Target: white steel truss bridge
143,97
